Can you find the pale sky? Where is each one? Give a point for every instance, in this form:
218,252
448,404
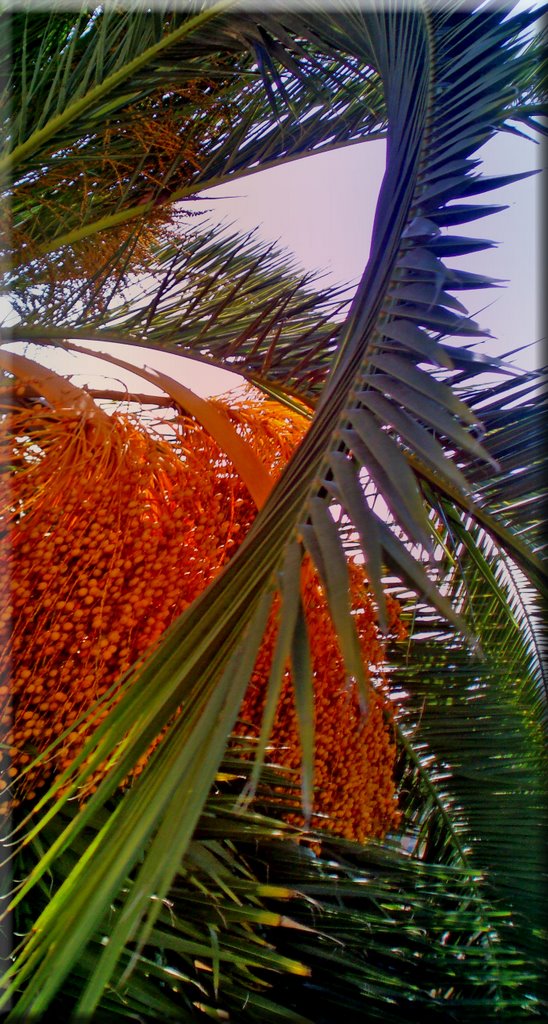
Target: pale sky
322,207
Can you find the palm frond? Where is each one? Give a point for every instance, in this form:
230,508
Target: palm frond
231,301
474,723
440,110
126,113
269,926
481,720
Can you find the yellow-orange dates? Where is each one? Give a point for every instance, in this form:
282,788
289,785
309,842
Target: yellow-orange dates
108,534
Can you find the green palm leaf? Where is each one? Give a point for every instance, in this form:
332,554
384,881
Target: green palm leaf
100,86
439,111
300,934
222,300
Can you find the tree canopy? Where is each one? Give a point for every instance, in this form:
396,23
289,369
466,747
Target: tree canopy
115,119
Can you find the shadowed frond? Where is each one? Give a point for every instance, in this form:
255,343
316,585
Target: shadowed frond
119,114
440,109
231,301
269,927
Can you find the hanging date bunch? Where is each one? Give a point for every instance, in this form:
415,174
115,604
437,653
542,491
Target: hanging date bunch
110,529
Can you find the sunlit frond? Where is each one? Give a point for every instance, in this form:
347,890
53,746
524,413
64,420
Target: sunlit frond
395,464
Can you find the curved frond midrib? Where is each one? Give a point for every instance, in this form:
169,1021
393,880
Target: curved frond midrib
201,657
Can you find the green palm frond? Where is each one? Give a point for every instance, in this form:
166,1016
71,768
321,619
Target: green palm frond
267,927
481,716
440,110
231,301
486,713
124,113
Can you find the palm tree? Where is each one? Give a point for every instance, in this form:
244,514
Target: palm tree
167,898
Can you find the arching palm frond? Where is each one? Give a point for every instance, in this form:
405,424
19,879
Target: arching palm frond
484,713
259,925
119,114
448,79
229,301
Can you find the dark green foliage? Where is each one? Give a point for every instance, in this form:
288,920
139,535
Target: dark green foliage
169,872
